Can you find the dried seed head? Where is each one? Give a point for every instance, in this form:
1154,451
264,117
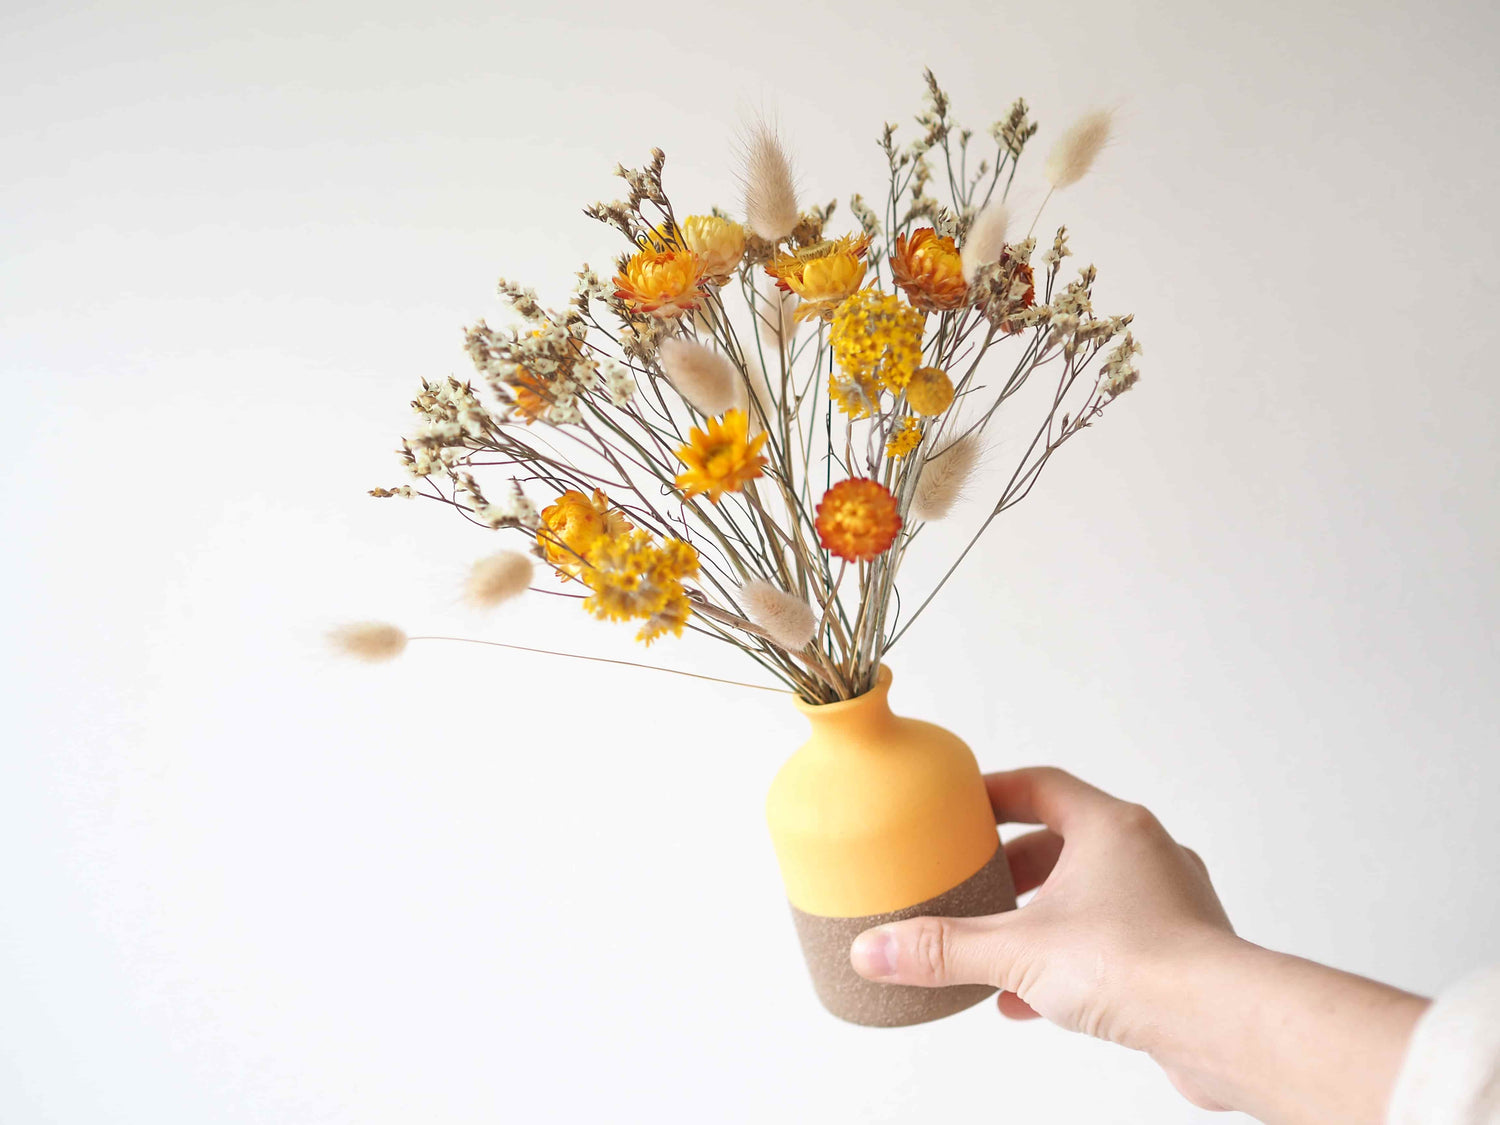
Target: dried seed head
498,578
786,618
770,196
944,476
986,239
1073,154
368,640
701,375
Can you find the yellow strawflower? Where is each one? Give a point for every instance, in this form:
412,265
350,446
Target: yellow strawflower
573,525
664,283
822,274
719,244
723,458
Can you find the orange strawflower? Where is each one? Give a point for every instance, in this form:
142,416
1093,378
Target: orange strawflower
822,274
573,526
929,269
858,519
664,283
723,458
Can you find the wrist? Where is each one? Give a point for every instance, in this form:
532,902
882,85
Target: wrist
1284,1039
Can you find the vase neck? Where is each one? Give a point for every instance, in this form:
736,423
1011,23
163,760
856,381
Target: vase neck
865,716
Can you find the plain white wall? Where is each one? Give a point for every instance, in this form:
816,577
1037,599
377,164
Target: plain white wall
244,883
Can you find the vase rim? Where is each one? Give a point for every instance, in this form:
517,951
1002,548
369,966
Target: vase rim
820,710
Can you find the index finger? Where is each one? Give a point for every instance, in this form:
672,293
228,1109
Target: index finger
1044,795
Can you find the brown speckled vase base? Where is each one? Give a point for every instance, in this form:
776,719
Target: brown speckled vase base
826,942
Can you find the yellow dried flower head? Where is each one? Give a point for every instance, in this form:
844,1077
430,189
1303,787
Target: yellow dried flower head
822,274
855,397
722,458
877,340
719,244
929,391
928,268
573,526
663,283
907,436
633,578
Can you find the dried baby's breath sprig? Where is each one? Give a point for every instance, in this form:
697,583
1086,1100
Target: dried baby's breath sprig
372,641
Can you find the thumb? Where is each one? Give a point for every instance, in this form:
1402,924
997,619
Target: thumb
935,951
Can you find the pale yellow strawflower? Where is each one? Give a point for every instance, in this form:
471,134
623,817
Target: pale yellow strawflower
719,244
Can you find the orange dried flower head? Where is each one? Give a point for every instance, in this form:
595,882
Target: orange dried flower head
929,269
822,274
664,283
573,526
722,458
858,519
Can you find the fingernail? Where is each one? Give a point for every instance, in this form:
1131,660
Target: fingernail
874,954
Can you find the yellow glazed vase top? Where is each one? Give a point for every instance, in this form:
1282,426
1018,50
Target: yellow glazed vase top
877,812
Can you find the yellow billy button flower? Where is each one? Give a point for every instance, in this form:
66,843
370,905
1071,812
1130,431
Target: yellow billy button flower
719,244
928,268
929,391
722,458
664,283
858,519
822,274
573,526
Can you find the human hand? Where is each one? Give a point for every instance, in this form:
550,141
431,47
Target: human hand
1118,904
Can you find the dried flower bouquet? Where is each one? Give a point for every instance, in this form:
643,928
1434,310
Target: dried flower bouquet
742,434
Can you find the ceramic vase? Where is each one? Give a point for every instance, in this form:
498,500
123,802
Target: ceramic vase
878,818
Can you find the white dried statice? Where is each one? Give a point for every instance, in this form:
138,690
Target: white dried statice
1075,151
704,377
770,191
372,641
786,618
986,239
864,214
618,382
944,476
1119,372
452,417
513,509
1059,249
498,578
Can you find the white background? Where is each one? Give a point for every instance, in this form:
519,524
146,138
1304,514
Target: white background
242,882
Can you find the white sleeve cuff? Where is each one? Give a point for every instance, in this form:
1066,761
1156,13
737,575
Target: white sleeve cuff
1451,1074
